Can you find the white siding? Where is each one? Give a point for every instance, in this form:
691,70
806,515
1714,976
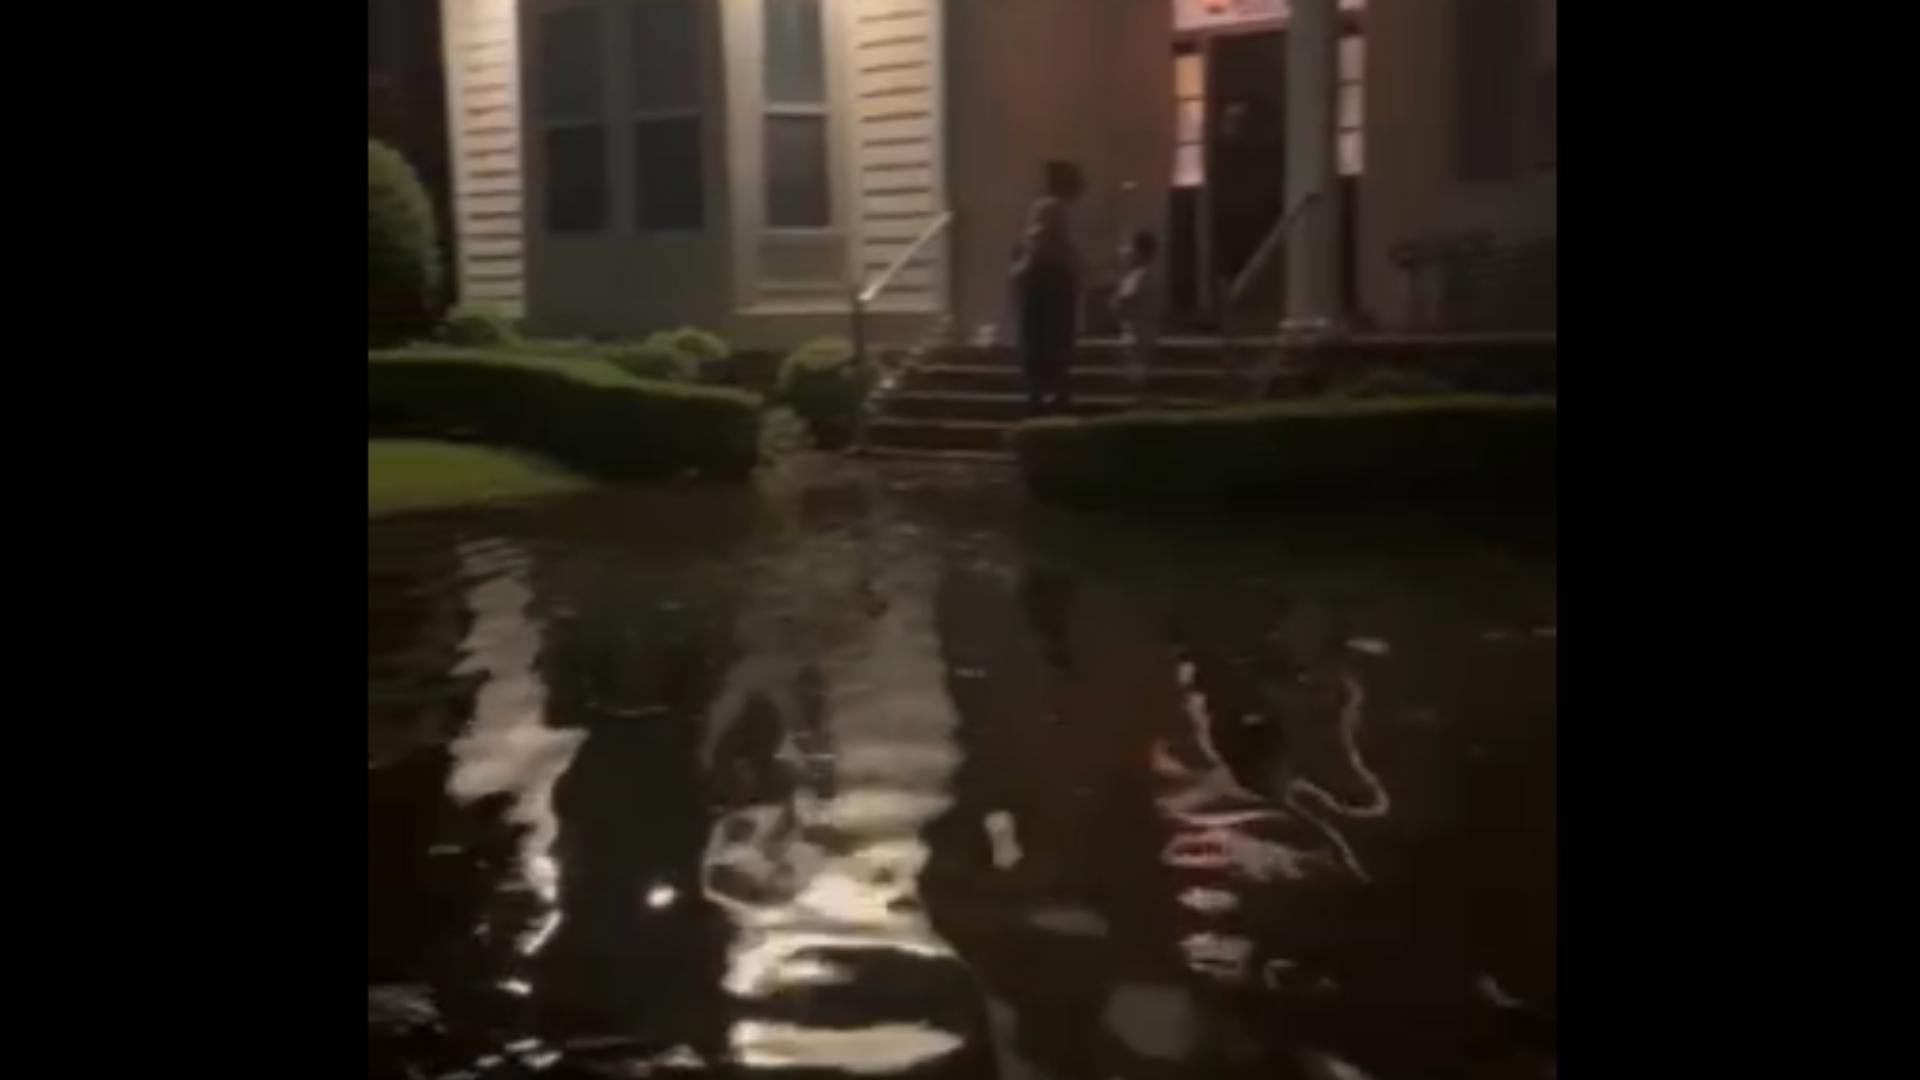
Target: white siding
896,82
483,111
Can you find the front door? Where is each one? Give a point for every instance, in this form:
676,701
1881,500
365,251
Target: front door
1246,169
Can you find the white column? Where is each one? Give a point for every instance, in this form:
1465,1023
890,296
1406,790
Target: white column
1313,248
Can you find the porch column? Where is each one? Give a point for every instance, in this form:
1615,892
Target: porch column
1313,248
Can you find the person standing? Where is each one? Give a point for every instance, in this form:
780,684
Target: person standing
1046,277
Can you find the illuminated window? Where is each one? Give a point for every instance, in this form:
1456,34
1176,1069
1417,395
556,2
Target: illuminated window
799,195
669,190
573,128
1190,119
1351,122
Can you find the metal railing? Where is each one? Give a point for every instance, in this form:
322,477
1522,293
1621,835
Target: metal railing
863,297
1271,245
1256,264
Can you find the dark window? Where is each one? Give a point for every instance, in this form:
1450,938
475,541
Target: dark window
573,142
576,178
669,182
665,55
670,193
797,195
570,86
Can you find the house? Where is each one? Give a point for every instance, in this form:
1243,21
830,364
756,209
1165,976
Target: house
624,165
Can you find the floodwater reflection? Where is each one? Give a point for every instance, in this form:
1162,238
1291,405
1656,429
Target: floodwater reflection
824,877
894,773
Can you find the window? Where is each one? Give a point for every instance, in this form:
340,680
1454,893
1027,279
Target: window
573,130
799,195
669,182
1190,119
1351,122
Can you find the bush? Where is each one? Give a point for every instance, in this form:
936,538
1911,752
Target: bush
705,347
1328,449
655,359
824,382
584,414
478,325
403,250
1392,383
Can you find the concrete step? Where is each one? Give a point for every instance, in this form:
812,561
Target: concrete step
1011,406
980,436
1103,381
1096,353
956,457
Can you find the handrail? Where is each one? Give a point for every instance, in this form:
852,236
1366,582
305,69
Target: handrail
1268,246
885,278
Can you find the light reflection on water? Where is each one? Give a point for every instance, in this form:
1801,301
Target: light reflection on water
829,873
877,778
507,747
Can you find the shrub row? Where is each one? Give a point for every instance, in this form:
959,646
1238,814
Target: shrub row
583,413
1323,449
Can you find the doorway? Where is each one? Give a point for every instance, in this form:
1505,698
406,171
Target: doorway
1247,161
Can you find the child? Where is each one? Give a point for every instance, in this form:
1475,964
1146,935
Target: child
1137,305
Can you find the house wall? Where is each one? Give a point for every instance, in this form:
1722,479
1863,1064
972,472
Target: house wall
1415,184
1030,80
478,40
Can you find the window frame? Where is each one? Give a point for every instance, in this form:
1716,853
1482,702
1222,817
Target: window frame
821,110
552,121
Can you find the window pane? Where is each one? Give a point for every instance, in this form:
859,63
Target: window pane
570,63
576,179
1351,107
1353,58
1189,75
797,196
666,72
1190,121
667,165
1352,157
796,73
1189,166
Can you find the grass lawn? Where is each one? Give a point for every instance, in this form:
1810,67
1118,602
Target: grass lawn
409,474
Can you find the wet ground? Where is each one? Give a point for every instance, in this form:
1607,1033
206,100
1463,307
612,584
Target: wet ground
889,771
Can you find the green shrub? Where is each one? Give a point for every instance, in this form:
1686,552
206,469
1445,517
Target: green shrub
655,359
403,250
1327,449
583,413
1392,383
478,325
824,382
706,348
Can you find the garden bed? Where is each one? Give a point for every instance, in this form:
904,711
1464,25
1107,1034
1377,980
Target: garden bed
1320,450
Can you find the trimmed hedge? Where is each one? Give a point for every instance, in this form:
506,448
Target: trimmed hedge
1325,449
582,413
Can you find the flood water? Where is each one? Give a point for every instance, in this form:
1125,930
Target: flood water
889,771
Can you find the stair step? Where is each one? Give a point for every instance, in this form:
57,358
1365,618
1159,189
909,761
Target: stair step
935,404
1086,381
969,457
916,434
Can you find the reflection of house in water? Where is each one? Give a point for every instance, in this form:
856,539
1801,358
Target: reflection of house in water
623,165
